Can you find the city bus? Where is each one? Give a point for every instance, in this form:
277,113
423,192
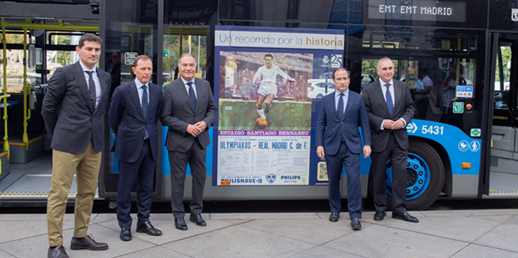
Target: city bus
456,56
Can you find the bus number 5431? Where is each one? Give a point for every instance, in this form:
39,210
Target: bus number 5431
432,129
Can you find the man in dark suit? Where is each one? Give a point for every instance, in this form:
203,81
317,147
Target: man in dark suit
390,108
188,110
72,109
134,113
341,114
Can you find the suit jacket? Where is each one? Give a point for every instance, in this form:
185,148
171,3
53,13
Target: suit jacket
378,111
355,115
128,123
71,123
178,112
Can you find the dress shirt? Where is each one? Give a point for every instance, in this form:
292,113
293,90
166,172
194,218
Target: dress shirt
384,90
193,85
96,81
337,98
140,90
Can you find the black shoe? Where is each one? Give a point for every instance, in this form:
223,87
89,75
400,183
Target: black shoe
356,224
87,242
147,228
179,223
197,219
125,234
379,215
57,252
334,216
405,216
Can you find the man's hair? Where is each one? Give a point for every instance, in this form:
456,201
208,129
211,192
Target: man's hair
341,69
268,54
382,59
89,37
186,54
141,57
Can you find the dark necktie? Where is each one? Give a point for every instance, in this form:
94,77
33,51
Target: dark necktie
340,108
91,89
192,95
388,96
145,104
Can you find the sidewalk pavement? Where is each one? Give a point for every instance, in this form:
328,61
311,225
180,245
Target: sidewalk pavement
451,233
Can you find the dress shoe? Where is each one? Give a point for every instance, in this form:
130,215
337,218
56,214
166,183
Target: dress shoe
405,216
57,252
334,216
356,224
87,243
179,223
125,234
379,215
147,228
197,219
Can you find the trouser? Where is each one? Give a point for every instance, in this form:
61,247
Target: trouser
86,167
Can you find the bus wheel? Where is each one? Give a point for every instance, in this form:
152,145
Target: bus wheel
424,176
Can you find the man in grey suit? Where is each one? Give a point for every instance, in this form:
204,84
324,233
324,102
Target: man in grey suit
188,110
72,109
390,108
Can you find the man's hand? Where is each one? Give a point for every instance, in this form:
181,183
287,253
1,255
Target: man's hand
320,152
398,124
387,124
193,130
201,125
366,151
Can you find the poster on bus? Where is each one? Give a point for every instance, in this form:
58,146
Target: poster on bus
265,85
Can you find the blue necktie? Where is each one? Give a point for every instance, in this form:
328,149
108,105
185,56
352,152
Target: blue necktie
145,105
192,95
340,108
91,89
388,96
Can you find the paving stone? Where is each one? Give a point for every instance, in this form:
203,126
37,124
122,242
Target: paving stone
381,241
239,241
155,252
323,252
484,251
503,237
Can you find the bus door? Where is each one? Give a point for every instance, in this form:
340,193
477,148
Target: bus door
503,176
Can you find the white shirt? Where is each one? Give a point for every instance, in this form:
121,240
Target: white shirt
140,90
96,81
269,76
391,89
337,98
193,85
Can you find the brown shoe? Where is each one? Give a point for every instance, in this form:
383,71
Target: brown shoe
58,252
87,243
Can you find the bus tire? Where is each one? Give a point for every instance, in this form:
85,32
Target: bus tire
425,176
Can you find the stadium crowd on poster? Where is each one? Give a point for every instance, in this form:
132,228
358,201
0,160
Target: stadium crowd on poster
265,86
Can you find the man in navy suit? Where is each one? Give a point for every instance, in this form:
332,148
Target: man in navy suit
340,115
73,107
390,108
134,113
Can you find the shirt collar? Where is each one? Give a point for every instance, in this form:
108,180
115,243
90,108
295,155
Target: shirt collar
391,82
138,83
85,69
346,93
185,82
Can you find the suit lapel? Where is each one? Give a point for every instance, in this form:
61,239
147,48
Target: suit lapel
183,92
349,104
81,82
134,96
104,89
152,99
378,93
398,92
